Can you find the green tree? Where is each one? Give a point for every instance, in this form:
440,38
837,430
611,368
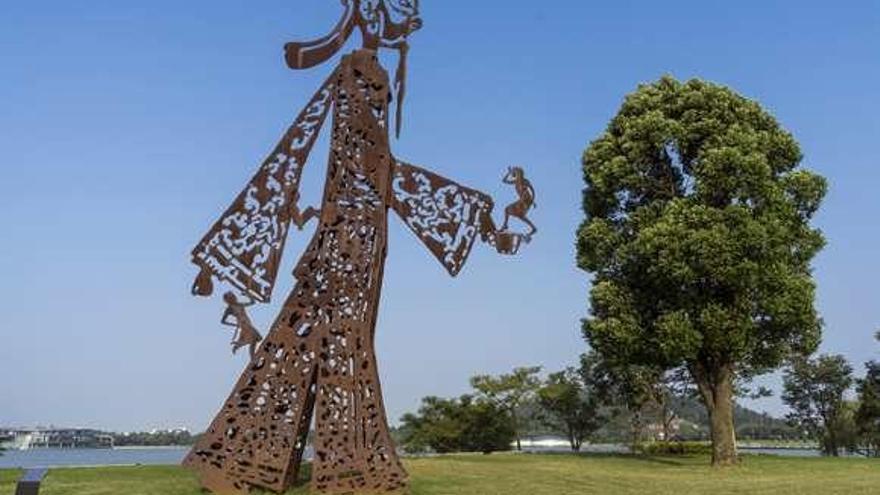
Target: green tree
868,415
465,424
509,393
570,406
815,390
488,429
846,428
625,388
698,234
437,425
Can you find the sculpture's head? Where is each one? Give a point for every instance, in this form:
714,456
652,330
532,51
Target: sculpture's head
389,22
229,298
382,23
515,173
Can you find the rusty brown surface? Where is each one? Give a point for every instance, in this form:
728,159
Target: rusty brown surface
318,360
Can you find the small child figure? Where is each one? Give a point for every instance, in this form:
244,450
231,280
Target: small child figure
526,201
245,332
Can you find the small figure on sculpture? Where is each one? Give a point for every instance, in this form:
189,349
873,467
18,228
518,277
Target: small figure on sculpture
525,202
246,334
507,242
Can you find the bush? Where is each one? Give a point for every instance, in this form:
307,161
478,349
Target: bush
457,425
676,448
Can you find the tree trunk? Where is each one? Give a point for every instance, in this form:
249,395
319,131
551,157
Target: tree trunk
716,389
575,442
668,418
635,431
830,441
516,429
723,433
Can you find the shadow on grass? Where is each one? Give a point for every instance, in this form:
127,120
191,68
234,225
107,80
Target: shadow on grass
681,461
302,484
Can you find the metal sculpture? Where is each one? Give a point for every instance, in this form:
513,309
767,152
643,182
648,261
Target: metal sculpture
525,201
246,334
318,359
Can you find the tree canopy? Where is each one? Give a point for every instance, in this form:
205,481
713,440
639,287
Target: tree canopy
698,234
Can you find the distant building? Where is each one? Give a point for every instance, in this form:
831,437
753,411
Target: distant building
24,439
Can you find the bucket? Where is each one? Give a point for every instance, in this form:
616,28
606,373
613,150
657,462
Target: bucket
507,242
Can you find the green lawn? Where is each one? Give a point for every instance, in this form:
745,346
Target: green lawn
7,481
534,475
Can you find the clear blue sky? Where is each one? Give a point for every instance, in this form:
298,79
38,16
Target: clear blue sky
127,127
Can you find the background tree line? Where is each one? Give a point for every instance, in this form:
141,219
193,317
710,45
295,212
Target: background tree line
635,405
162,438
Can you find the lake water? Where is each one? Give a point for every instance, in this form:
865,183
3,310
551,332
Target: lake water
91,457
174,455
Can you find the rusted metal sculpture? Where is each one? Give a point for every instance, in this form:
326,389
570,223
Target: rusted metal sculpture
246,335
525,202
318,359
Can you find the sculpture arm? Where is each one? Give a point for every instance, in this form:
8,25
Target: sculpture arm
244,246
446,216
225,319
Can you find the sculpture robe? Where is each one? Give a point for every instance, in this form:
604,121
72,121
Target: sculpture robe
318,357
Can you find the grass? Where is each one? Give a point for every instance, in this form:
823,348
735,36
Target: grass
533,475
7,480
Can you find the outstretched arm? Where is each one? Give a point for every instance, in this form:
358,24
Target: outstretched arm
244,246
225,319
445,215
